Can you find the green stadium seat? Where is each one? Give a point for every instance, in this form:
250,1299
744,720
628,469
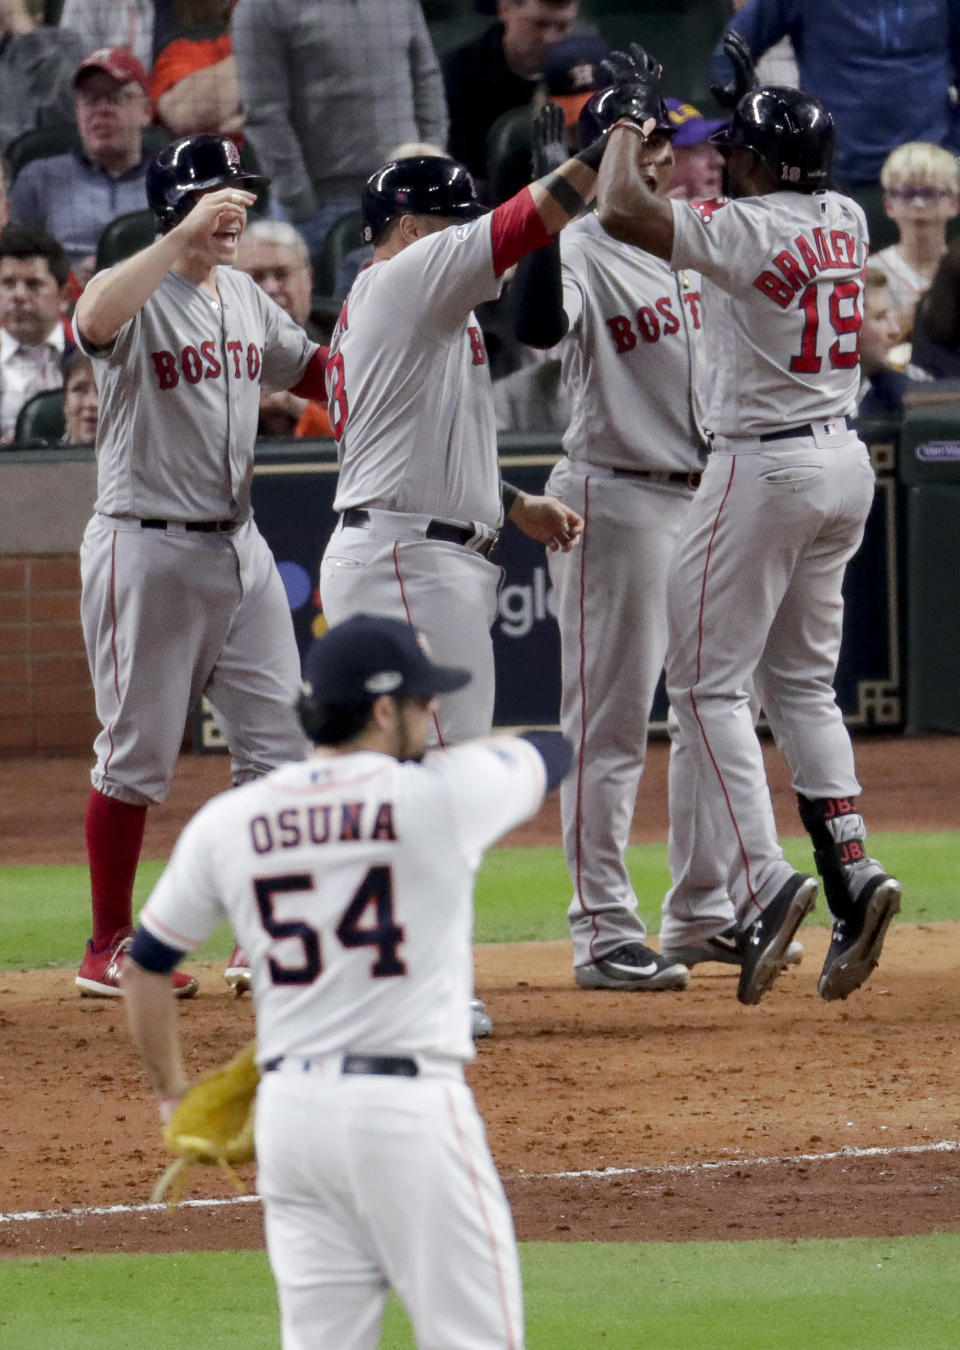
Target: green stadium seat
124,236
343,237
40,421
508,154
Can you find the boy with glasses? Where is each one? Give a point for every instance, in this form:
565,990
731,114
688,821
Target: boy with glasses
921,184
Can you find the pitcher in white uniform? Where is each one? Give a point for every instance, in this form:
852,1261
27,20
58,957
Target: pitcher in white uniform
755,587
348,879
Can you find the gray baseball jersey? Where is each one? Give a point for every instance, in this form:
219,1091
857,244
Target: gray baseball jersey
755,588
409,383
782,287
180,395
632,378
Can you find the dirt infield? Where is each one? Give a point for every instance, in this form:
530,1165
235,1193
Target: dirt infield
673,1116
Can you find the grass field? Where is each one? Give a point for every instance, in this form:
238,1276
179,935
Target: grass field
811,1295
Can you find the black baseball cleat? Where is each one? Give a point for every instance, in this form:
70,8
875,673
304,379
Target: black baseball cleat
725,947
857,939
768,938
631,966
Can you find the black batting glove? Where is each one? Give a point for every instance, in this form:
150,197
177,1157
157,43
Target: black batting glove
744,71
548,145
635,76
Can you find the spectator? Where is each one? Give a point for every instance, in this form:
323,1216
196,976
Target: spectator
921,193
500,70
275,255
33,335
881,387
76,195
80,400
36,64
194,78
324,99
884,70
779,64
112,23
697,163
936,337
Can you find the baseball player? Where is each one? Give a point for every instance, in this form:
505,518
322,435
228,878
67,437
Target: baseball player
180,594
630,330
348,879
755,586
420,498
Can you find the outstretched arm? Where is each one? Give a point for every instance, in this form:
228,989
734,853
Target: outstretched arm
627,208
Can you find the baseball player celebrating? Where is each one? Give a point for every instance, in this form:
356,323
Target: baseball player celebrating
419,496
348,879
755,586
630,330
180,594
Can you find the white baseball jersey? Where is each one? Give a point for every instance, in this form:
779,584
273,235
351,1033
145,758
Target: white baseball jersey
409,384
180,396
783,296
348,882
630,361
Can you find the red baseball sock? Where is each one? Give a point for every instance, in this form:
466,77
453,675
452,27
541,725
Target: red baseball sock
114,831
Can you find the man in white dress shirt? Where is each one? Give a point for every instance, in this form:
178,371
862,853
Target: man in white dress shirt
33,301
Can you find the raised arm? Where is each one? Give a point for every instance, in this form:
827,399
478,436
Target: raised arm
113,299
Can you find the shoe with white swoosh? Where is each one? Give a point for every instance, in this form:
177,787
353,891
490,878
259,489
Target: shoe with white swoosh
725,947
631,966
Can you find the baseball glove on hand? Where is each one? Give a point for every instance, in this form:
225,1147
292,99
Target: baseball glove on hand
213,1123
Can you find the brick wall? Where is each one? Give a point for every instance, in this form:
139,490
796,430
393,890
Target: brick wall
46,699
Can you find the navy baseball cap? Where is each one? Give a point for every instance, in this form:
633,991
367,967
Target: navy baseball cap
368,655
571,68
690,125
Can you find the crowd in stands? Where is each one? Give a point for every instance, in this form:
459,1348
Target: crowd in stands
318,93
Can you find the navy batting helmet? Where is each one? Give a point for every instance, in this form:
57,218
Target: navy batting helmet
190,165
424,185
609,105
789,131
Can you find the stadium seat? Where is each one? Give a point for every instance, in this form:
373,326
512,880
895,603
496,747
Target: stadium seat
508,154
40,421
42,142
344,236
126,235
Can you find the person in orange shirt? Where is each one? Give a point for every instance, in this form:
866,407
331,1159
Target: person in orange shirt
193,82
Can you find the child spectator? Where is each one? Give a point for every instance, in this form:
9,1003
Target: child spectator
921,184
80,400
881,387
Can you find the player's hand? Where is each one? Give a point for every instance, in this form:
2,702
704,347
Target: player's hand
216,211
548,145
744,71
635,76
547,521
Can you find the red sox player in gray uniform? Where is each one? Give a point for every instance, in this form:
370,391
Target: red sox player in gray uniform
755,587
180,594
420,496
630,330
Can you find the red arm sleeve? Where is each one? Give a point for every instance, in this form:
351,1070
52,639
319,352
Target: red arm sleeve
516,230
313,382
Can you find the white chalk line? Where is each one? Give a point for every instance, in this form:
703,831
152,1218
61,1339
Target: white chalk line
666,1169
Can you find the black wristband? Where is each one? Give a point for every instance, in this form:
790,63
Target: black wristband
508,495
593,154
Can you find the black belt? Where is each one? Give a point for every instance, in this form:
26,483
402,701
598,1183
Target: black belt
358,517
690,480
390,1066
200,526
806,430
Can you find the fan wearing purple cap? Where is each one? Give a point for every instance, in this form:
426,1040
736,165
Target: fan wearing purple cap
697,163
